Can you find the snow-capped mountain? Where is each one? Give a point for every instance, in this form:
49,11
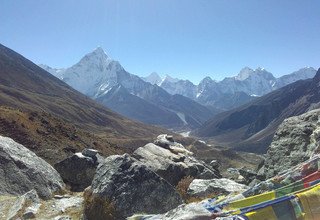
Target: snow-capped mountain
56,72
182,87
96,75
153,78
249,83
302,74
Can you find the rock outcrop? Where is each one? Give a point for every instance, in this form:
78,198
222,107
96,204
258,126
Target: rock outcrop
21,170
172,161
79,169
203,188
126,186
295,141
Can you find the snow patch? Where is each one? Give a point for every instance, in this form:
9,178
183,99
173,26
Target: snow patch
185,133
182,117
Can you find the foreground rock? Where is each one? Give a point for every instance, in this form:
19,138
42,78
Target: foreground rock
123,186
29,206
26,206
204,188
172,161
79,169
21,171
295,141
192,211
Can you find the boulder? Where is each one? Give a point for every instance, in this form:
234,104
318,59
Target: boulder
173,162
165,141
79,169
26,206
295,141
215,164
21,170
125,186
192,211
248,175
88,152
204,188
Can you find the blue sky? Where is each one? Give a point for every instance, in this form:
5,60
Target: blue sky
188,39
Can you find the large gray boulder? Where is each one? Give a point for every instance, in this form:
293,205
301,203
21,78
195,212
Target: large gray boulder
295,141
204,188
79,169
21,170
126,186
172,161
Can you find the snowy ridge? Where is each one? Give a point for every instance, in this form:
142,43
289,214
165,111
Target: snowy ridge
252,82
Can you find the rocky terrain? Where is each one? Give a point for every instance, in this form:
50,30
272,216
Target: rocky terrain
163,178
152,179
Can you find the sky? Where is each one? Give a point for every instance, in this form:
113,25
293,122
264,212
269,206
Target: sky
187,39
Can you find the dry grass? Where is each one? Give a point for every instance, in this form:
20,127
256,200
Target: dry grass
98,208
182,188
50,137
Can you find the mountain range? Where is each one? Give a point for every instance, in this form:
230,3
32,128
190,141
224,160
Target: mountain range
251,127
53,119
167,101
105,80
243,87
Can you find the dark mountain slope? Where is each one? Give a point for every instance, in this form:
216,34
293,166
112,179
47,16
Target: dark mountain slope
251,126
27,88
120,100
191,113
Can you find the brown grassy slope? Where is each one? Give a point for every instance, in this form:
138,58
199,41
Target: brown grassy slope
29,90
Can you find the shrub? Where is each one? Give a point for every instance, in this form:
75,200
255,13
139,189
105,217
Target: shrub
182,187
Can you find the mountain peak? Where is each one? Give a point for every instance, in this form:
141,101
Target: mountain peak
244,73
97,56
206,80
170,79
153,78
154,75
99,52
260,69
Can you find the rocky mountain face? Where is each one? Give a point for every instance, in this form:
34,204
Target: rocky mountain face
252,126
244,87
49,117
296,140
101,78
